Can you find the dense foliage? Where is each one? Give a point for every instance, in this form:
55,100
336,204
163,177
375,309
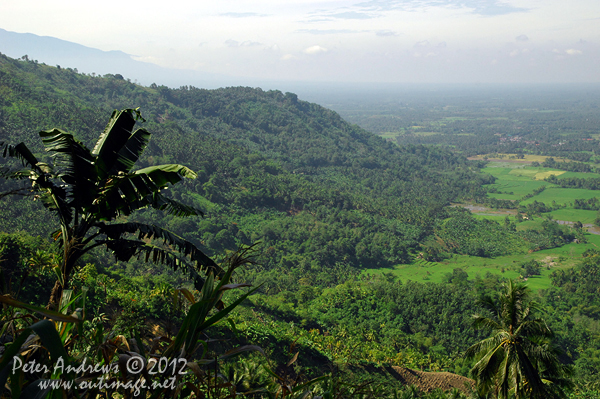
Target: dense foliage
324,199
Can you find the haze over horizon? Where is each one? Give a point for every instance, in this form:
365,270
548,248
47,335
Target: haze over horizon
399,41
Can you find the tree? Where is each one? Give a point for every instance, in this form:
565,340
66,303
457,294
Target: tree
532,268
88,190
519,359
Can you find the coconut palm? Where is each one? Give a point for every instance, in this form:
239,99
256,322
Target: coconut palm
89,189
519,359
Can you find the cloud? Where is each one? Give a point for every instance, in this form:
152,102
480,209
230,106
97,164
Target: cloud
246,43
515,53
386,33
241,14
522,38
351,15
288,57
315,50
570,51
481,7
340,13
327,31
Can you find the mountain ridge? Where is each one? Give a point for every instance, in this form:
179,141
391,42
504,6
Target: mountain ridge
67,54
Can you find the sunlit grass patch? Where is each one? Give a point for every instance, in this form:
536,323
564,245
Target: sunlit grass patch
491,216
503,266
574,215
535,173
543,175
562,195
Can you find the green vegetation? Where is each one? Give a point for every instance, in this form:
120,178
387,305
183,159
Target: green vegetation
86,189
519,359
358,262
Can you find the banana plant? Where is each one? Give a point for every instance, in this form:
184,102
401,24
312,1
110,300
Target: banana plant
89,189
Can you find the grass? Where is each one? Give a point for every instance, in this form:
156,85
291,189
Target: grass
562,195
521,180
544,175
515,181
580,175
514,186
425,133
535,173
490,216
574,215
551,259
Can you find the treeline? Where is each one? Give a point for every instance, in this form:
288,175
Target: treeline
591,183
318,193
591,204
568,166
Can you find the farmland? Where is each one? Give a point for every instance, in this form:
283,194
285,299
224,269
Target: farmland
513,182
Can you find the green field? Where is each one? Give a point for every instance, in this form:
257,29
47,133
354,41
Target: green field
580,175
551,259
519,180
574,215
490,216
562,195
423,271
516,180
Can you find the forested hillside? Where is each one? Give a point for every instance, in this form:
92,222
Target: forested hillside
323,200
317,192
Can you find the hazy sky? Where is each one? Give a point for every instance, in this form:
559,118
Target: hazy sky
363,40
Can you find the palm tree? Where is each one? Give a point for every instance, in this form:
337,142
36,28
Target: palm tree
88,190
519,359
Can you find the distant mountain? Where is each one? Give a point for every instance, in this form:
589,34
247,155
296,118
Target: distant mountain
53,51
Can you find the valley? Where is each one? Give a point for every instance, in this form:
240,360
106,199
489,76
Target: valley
354,254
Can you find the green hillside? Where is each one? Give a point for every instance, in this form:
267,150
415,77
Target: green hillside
271,168
335,212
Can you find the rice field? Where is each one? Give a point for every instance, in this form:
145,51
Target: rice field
574,215
515,181
503,266
562,195
579,175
